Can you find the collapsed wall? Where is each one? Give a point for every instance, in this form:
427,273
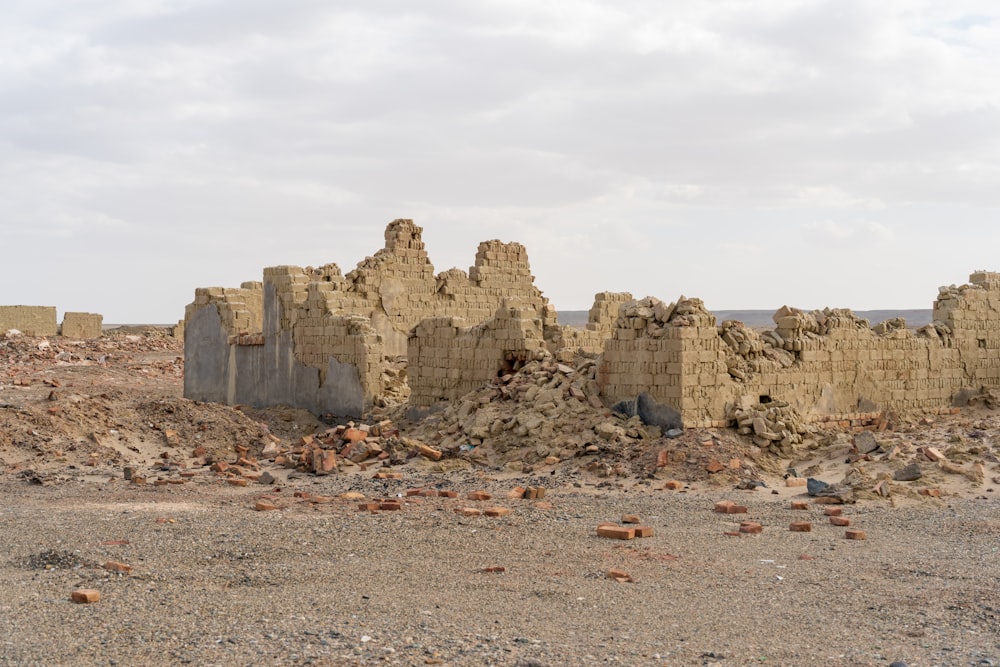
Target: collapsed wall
317,339
822,363
29,320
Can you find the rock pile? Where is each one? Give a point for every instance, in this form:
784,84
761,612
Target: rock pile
774,426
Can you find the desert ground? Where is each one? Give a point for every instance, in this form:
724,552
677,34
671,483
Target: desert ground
226,535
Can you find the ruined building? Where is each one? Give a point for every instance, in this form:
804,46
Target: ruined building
41,321
317,339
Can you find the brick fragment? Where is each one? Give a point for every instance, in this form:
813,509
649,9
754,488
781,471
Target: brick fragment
616,532
751,528
498,511
447,494
631,518
495,569
673,485
722,507
468,511
237,481
516,492
429,452
854,534
85,596
369,507
390,505
264,506
933,454
115,566
793,482
643,531
478,495
933,493
621,576
714,466
800,505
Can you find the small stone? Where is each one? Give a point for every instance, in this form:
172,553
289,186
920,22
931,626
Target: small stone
910,473
815,486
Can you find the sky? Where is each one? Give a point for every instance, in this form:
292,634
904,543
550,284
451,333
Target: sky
753,154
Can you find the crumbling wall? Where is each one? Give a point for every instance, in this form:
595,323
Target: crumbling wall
599,328
822,363
315,338
448,359
29,320
81,325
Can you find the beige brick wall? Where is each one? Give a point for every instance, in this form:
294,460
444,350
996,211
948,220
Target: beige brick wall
29,320
81,325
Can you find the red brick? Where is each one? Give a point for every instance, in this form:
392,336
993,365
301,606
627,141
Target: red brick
736,509
86,596
621,576
616,532
478,495
793,482
715,466
833,511
662,458
751,528
800,527
390,505
631,518
735,464
933,454
369,507
496,569
800,505
429,452
447,494
673,485
238,482
854,534
516,492
722,507
933,493
264,506
841,521
301,494
643,531
354,435
413,492
388,475
219,466
498,511
469,511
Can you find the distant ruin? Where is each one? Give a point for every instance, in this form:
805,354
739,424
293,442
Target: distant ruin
316,339
41,321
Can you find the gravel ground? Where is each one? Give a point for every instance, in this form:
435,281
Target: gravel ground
216,583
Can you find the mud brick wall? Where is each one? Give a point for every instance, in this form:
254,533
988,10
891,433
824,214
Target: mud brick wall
822,363
29,320
447,359
599,328
81,325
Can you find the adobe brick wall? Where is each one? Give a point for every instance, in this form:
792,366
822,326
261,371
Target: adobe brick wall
29,320
824,363
81,325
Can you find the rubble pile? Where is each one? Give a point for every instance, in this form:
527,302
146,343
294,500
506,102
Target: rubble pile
774,426
651,315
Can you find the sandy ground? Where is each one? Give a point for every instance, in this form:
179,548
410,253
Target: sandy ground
319,581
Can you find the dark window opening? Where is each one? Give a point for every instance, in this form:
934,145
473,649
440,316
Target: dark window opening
765,399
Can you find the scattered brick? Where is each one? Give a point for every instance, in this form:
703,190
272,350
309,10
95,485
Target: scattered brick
833,511
715,466
751,528
478,495
85,596
673,485
496,569
933,493
793,482
722,507
933,454
854,534
429,452
631,518
643,531
390,505
447,494
369,507
264,506
840,521
800,527
616,532
469,511
115,566
347,495
238,482
800,505
516,492
621,576
498,511
388,475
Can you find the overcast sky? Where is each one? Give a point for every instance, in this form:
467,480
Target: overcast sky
753,154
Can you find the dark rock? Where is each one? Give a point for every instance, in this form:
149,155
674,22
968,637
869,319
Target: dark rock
865,442
815,486
908,474
657,414
626,408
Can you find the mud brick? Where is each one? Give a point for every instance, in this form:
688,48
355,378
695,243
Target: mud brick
238,482
616,532
842,521
833,511
722,507
498,511
631,518
219,466
390,505
85,596
793,482
413,492
855,534
800,505
469,511
160,482
496,569
369,507
736,509
173,438
933,454
673,485
800,527
643,531
264,506
388,475
447,494
478,495
662,458
751,528
517,492
199,451
354,435
188,474
536,492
